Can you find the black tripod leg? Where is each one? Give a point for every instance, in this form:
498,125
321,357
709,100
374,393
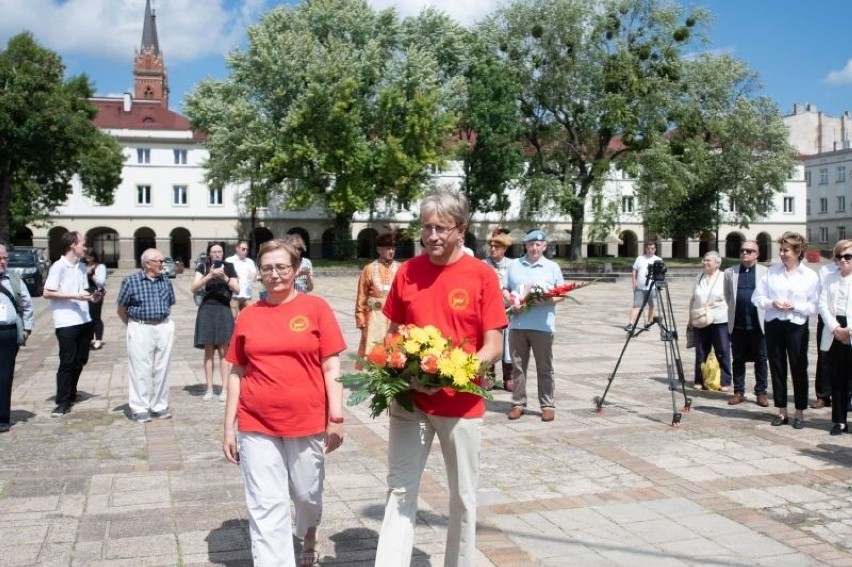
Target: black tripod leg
599,400
676,358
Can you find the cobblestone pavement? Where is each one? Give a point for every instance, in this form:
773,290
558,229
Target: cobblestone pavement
618,488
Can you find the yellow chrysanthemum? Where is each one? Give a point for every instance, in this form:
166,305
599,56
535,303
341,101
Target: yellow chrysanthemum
419,335
456,365
433,350
411,346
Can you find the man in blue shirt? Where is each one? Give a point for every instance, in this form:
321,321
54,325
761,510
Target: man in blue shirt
144,304
532,326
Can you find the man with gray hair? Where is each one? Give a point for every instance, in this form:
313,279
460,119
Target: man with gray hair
144,304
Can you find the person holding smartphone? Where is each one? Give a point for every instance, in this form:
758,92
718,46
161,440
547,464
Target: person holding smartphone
214,322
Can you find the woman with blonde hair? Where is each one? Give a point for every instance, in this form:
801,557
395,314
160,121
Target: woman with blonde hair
835,308
788,294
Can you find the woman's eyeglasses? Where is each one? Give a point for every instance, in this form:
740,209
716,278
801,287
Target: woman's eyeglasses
281,269
846,257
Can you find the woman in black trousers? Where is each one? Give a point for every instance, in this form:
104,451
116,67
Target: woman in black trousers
835,308
788,294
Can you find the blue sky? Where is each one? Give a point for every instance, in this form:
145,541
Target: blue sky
801,50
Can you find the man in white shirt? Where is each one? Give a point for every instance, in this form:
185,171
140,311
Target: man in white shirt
641,284
67,289
246,274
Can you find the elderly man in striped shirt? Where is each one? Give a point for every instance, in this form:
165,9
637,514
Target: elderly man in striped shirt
144,304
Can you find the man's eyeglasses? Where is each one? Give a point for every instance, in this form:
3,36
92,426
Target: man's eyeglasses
437,229
157,261
4,258
847,257
267,269
748,251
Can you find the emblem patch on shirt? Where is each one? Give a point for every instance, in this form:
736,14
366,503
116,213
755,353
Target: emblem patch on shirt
459,299
299,324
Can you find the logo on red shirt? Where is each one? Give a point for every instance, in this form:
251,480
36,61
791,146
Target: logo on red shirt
299,324
459,299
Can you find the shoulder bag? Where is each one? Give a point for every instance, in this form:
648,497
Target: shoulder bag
702,316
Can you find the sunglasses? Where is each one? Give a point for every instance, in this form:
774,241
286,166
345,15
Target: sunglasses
748,251
847,257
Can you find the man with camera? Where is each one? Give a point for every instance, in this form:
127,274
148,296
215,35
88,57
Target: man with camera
144,304
641,283
745,325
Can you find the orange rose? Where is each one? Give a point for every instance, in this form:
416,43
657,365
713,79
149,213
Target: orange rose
429,364
397,359
378,355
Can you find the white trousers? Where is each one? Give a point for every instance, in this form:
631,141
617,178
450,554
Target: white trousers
410,440
149,351
276,469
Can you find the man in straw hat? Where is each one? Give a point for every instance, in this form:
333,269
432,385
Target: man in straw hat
373,287
498,243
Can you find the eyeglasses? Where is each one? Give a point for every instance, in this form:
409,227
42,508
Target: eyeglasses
267,269
243,248
847,257
157,261
437,229
747,251
4,258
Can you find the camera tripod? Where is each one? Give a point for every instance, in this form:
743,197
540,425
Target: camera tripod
668,334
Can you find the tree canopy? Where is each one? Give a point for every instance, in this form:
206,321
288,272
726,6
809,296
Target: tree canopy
335,105
47,136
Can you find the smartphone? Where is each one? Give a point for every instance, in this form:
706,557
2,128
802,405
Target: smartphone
217,264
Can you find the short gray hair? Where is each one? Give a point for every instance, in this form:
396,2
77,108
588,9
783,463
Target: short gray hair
713,255
446,203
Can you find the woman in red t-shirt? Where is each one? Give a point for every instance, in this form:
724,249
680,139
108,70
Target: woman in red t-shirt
286,402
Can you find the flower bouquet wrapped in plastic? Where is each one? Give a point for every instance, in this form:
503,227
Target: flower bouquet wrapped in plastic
538,294
413,355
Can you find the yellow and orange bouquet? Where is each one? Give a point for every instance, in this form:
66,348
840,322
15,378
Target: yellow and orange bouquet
412,356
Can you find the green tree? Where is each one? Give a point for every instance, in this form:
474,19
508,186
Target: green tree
729,147
599,79
332,104
491,133
47,136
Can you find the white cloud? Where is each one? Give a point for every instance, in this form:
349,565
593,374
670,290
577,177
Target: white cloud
842,77
110,29
465,12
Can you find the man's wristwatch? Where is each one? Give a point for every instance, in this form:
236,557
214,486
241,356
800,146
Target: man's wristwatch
335,420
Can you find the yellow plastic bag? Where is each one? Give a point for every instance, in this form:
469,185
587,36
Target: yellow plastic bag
711,373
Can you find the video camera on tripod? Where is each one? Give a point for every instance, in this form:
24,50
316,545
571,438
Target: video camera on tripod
656,272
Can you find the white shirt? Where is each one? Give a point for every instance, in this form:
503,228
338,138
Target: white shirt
800,287
246,274
66,277
640,266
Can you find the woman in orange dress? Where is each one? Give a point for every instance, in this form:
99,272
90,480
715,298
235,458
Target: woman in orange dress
373,287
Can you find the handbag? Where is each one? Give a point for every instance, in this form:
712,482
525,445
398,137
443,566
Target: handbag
198,295
690,338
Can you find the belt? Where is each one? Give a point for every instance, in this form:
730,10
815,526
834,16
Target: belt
376,304
151,321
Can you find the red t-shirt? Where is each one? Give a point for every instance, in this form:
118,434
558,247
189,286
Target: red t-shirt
282,346
463,300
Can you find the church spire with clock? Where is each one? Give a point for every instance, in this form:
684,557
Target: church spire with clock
150,79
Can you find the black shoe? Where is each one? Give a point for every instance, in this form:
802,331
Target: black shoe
4,427
837,429
779,420
798,423
60,410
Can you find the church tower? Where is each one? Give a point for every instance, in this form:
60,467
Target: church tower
150,79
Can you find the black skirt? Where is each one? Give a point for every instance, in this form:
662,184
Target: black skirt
214,324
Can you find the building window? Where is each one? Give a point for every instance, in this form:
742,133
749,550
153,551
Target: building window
841,232
841,174
808,235
808,204
179,194
627,204
823,176
808,178
823,204
143,155
215,197
788,204
180,157
732,205
841,204
143,194
823,235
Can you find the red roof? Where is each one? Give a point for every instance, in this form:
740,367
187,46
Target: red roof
143,115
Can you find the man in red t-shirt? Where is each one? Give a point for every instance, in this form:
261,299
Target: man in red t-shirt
461,296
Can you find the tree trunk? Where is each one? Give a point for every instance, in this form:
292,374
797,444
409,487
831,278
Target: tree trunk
578,223
344,246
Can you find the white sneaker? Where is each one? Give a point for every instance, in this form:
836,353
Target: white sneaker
208,395
223,396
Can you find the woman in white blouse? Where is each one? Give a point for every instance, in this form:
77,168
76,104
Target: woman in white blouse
835,307
709,289
788,294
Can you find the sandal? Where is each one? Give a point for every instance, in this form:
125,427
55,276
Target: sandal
309,555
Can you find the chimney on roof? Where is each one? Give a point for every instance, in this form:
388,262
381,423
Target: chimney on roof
128,102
